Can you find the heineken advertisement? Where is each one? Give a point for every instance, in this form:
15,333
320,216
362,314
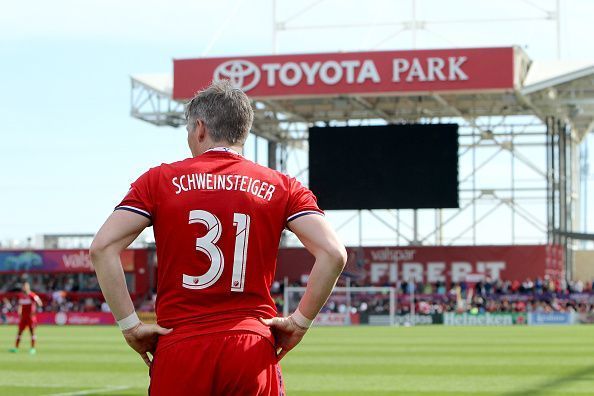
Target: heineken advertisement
487,319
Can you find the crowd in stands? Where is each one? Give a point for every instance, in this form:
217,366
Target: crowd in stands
60,292
492,296
80,292
49,283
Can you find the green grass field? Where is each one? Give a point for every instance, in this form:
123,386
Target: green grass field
433,360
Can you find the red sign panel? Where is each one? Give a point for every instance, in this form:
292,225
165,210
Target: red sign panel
72,260
469,69
388,265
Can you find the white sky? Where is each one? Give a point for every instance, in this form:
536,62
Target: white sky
68,147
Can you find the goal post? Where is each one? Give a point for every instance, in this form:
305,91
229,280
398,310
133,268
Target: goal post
349,305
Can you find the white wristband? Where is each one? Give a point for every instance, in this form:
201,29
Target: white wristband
301,320
129,322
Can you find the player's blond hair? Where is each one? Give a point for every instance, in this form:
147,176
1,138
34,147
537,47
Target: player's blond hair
225,110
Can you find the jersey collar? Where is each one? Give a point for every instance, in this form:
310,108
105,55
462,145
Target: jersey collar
223,149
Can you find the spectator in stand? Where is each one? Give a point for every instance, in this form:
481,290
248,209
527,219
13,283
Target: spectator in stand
427,289
488,286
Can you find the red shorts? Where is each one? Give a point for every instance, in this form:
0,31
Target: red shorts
29,322
228,363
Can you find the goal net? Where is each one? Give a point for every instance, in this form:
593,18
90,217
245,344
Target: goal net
349,305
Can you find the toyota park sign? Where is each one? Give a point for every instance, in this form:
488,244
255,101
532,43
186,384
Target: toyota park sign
328,74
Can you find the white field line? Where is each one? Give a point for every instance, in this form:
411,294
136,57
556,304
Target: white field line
91,391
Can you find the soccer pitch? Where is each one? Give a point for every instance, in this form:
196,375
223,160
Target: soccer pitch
432,360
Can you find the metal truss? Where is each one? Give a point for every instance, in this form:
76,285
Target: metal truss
154,106
297,22
516,143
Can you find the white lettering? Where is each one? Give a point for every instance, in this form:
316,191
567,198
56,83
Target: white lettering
208,181
494,268
435,272
416,71
350,66
368,70
174,181
192,181
378,270
455,64
270,69
399,66
262,188
181,180
290,68
412,271
269,192
255,186
393,272
330,78
220,182
460,270
201,181
434,68
310,71
77,260
243,182
394,255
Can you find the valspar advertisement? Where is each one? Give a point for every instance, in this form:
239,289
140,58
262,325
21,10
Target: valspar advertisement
72,260
388,265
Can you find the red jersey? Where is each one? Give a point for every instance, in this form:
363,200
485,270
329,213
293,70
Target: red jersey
217,221
27,304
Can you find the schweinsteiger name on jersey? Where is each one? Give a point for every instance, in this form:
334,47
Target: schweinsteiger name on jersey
209,181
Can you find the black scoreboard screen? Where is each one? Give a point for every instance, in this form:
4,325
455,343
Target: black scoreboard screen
408,166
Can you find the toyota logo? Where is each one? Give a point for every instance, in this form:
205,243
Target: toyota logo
241,73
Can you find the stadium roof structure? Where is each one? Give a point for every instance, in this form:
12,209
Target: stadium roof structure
564,90
505,104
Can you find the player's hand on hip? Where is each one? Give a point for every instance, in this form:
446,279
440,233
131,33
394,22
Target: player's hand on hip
287,334
143,339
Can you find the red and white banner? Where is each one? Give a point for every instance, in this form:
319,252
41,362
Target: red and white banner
336,319
461,69
387,265
68,318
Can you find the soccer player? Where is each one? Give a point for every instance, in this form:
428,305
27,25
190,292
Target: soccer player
28,303
217,219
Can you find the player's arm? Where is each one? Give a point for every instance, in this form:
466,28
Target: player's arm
330,257
38,301
118,232
322,242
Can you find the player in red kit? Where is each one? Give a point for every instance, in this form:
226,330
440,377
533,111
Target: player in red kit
217,219
28,303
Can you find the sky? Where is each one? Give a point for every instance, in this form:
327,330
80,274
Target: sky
68,146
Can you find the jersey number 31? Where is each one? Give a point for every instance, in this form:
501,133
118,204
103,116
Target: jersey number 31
207,244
